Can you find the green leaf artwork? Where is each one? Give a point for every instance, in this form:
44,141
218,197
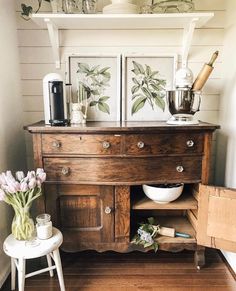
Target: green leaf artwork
94,80
147,88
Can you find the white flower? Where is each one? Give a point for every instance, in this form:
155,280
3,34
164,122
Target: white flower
2,195
24,186
9,176
20,175
3,179
32,183
30,175
11,187
39,171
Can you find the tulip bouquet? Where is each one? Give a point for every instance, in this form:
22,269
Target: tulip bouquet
19,192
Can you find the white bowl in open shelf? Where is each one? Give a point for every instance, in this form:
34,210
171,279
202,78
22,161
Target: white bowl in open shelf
163,193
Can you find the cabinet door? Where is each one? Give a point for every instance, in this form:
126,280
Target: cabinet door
84,214
217,218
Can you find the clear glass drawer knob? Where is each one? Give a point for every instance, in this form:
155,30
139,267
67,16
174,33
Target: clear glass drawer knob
65,171
190,143
106,144
140,144
108,210
56,144
179,169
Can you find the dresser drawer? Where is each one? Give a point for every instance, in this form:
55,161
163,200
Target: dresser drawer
123,170
81,144
159,144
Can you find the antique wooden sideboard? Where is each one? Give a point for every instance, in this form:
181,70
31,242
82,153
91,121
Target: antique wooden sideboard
94,176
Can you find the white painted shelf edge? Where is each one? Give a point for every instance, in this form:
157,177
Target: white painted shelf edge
186,21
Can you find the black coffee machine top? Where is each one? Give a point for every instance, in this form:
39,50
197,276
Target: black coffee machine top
56,98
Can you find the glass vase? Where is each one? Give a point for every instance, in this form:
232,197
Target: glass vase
69,6
90,6
22,225
173,6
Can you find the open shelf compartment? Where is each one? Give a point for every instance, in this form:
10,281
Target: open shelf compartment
175,244
141,202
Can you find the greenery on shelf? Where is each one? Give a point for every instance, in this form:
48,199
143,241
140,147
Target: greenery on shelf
28,10
146,234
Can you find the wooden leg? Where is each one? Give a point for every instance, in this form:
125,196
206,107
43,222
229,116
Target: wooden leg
21,274
13,274
49,260
199,258
57,259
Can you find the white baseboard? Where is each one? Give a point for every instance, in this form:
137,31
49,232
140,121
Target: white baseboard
4,274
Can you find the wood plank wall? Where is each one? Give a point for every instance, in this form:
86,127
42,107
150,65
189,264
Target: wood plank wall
36,56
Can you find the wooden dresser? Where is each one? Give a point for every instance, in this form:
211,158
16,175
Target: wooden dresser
94,177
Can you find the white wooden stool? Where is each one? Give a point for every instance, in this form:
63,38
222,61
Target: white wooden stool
20,251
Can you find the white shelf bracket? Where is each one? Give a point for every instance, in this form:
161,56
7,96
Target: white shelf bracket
54,39
187,40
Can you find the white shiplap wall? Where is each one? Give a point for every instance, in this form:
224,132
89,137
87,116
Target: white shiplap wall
36,56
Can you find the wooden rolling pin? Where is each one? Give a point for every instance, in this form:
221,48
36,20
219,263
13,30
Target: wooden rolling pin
167,231
204,73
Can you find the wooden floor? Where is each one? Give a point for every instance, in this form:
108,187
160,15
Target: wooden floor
90,271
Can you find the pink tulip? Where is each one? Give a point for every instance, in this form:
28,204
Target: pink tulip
3,179
32,183
2,195
10,176
39,171
24,187
31,174
42,177
11,187
20,175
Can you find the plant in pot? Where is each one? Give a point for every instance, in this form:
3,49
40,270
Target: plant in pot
27,10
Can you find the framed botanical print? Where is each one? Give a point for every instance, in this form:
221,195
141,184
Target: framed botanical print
96,80
145,79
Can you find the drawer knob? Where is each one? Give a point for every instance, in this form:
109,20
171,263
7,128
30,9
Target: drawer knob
106,144
65,171
108,210
140,144
56,144
179,169
190,143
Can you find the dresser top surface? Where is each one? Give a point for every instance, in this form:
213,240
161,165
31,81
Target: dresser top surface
106,127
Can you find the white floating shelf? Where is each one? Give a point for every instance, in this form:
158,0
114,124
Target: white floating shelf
186,21
122,21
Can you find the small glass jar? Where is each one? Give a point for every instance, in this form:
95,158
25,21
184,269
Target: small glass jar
90,6
44,226
69,6
146,7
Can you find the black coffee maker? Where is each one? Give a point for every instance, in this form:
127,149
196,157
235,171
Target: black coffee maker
56,103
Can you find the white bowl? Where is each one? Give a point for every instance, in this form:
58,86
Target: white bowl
121,8
163,194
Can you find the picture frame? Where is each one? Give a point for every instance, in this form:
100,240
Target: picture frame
97,78
145,77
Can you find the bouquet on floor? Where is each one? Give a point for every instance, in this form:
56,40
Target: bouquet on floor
19,192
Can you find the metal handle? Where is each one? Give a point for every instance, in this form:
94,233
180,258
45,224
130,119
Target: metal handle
56,144
190,143
108,210
65,171
106,144
140,144
179,169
